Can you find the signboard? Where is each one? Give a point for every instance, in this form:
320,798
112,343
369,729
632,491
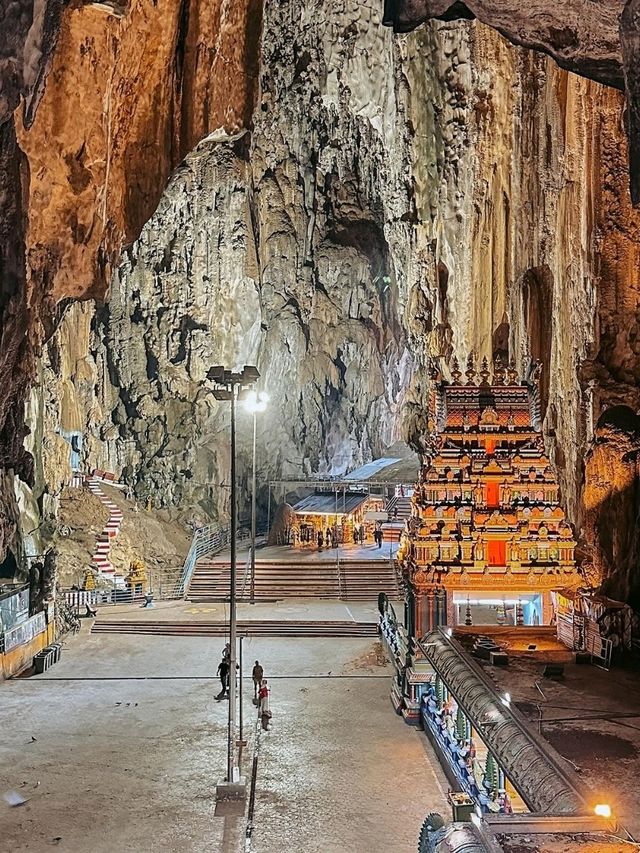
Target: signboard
14,609
25,632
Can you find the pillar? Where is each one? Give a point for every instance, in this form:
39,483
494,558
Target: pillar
410,611
547,608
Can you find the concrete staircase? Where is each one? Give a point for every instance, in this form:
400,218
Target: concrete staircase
363,581
100,560
403,506
354,580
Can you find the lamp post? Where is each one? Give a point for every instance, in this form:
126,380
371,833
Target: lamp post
254,402
227,385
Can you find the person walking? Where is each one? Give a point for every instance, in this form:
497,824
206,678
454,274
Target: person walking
223,672
320,540
265,711
258,674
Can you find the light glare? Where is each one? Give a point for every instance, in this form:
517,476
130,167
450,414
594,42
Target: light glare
256,401
603,810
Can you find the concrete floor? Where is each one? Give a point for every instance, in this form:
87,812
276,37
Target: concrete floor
338,771
297,609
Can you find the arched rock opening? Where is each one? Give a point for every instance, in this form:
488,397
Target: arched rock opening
536,306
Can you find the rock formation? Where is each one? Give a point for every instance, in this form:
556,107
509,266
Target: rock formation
394,198
285,247
598,40
612,504
98,103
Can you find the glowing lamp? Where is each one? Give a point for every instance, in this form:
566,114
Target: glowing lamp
256,401
603,810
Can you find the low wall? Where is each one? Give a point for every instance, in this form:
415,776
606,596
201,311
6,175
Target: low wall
13,662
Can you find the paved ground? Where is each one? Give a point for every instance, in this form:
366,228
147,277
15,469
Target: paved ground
129,743
298,609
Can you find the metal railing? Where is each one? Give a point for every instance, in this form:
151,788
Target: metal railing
210,540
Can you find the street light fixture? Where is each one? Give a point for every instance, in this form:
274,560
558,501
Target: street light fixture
254,402
228,384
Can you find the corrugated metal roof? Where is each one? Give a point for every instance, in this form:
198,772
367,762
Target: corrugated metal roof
365,472
325,504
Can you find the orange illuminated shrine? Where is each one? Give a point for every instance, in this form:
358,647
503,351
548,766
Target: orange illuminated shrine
487,542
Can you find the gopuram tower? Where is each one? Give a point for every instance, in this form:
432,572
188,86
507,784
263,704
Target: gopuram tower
487,542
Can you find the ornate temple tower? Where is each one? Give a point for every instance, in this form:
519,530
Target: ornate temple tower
487,542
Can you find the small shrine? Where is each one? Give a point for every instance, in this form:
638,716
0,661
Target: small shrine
487,541
136,579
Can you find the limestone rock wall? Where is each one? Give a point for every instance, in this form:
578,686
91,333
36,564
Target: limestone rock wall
536,242
289,247
396,198
98,103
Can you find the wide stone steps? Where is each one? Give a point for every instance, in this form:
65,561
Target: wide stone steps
264,628
355,580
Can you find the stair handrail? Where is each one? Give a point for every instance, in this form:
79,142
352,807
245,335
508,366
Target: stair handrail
209,540
246,574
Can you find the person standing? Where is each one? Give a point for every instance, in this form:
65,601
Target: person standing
265,712
258,674
320,540
223,672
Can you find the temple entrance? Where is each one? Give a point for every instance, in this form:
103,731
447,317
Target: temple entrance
487,608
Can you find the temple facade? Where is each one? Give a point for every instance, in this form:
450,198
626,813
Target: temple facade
487,541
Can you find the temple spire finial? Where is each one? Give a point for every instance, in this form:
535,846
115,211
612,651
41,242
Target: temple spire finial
484,371
470,372
456,373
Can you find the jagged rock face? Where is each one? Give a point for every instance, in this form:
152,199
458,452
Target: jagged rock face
288,248
533,220
612,504
395,200
114,96
599,40
581,36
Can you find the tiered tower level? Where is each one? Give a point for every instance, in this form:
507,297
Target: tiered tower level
487,542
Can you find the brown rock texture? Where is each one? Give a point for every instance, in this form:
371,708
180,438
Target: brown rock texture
283,247
474,199
395,199
612,504
113,98
580,35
